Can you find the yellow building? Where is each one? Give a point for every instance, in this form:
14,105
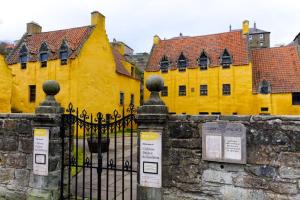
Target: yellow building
220,74
92,74
5,86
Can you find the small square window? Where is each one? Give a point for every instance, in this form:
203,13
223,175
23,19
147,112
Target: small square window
203,90
203,113
250,37
182,90
261,44
122,98
216,113
296,98
264,109
226,89
261,36
23,65
32,93
44,64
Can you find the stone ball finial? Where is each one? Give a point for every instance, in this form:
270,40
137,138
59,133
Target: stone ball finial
51,87
155,83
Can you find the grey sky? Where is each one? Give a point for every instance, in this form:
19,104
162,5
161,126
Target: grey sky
136,21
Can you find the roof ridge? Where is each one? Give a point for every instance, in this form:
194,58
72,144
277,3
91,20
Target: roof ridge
197,36
88,26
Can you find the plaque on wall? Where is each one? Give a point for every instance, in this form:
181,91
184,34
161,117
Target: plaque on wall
224,142
40,151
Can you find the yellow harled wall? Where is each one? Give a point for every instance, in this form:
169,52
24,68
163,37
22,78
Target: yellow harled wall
241,101
89,81
5,86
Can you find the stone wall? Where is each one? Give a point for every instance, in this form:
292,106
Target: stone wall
17,182
273,160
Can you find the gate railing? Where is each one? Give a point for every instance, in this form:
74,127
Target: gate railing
102,134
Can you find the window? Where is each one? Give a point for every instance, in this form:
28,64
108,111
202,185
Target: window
132,99
132,71
122,98
164,92
261,36
226,59
264,87
164,64
63,53
296,98
203,61
226,89
23,57
264,109
261,44
44,54
32,93
203,113
203,90
250,37
181,62
216,113
182,90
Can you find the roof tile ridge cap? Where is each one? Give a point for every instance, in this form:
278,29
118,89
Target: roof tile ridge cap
66,29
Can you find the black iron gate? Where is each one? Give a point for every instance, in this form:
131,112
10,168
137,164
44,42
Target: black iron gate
99,155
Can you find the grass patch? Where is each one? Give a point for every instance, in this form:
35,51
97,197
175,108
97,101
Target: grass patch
80,160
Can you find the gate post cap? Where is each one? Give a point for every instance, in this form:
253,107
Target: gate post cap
155,83
51,87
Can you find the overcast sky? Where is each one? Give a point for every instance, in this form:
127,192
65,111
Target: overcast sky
136,21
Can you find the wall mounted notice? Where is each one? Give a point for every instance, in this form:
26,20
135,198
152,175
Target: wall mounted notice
150,159
40,151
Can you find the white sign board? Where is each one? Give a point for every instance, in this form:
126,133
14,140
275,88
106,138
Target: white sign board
150,159
214,146
40,151
232,148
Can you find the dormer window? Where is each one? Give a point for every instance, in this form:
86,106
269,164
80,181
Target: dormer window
182,62
203,61
44,54
63,53
23,57
264,87
164,64
226,59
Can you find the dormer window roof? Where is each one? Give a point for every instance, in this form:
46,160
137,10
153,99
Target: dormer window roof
226,59
64,53
182,62
203,61
264,87
164,64
44,54
23,56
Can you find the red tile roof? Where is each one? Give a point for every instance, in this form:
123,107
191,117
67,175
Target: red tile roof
192,47
279,66
75,38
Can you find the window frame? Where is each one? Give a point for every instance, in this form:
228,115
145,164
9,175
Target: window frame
131,99
203,90
295,102
23,53
32,93
122,98
226,56
226,89
201,59
261,36
250,37
182,90
44,50
181,59
164,64
164,91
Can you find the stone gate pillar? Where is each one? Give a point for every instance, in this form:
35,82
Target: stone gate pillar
46,175
152,126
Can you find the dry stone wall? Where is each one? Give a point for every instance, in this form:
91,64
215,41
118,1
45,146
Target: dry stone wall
273,160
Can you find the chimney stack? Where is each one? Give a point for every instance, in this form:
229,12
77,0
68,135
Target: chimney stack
97,19
156,39
245,27
230,28
33,28
255,26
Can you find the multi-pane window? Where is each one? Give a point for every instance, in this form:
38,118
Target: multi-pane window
164,92
203,90
226,59
23,57
203,61
132,99
32,93
296,98
44,55
182,90
226,89
164,64
261,36
122,98
182,62
63,54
